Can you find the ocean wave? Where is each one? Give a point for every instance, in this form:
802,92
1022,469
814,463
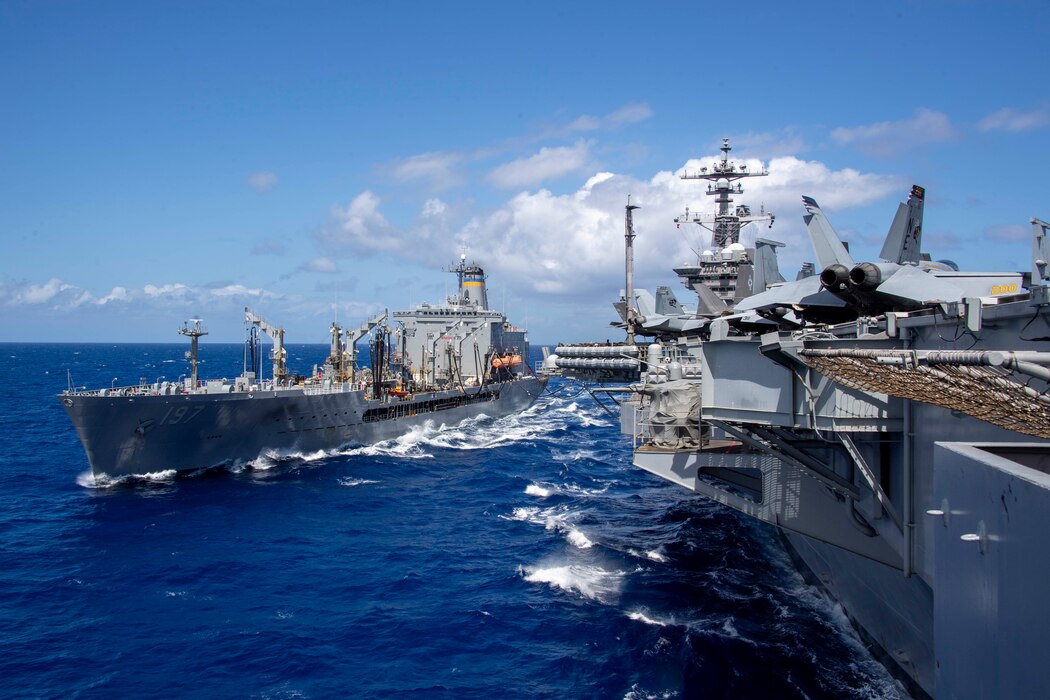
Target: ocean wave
648,618
557,518
102,480
408,446
350,481
545,489
656,554
577,539
589,581
537,490
271,458
638,693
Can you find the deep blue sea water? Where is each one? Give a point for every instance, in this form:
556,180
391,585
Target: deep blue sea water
518,557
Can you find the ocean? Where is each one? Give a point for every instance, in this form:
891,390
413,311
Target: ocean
520,557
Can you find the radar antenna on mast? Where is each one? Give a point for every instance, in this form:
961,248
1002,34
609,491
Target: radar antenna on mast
194,330
632,317
726,225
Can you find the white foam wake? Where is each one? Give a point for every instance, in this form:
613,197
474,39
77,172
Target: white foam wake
656,555
350,481
590,581
545,489
646,617
554,519
537,490
105,481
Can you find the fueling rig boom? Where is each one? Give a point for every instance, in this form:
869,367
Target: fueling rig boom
278,354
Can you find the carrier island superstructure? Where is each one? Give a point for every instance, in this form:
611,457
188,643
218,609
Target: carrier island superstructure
437,362
891,417
724,272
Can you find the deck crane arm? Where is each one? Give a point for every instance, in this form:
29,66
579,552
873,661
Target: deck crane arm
279,355
355,334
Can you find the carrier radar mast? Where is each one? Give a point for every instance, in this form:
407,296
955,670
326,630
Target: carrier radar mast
725,226
631,314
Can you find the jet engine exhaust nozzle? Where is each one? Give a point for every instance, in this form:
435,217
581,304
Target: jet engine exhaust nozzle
865,276
834,277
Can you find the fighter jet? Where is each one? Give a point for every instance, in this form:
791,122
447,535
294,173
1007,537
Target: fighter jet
903,280
662,316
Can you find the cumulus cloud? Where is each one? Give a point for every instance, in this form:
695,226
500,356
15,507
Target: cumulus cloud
37,293
547,164
360,227
166,290
56,293
573,243
235,290
1007,119
887,139
118,294
433,207
262,181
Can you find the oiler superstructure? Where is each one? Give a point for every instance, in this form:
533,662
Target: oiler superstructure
442,363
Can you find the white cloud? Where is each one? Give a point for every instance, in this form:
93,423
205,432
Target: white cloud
887,139
447,169
360,227
1007,119
262,181
167,290
573,243
232,290
433,207
547,164
441,170
79,300
37,293
118,294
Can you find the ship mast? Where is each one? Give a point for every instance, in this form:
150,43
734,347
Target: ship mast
194,332
628,238
726,224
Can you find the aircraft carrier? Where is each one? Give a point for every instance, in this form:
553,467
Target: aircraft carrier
438,363
892,418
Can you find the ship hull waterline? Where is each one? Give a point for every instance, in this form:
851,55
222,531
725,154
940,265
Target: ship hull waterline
141,434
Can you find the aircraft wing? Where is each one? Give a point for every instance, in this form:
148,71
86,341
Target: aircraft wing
913,285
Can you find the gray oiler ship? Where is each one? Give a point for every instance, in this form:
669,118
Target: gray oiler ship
442,363
892,419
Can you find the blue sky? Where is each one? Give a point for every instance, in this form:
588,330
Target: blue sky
160,161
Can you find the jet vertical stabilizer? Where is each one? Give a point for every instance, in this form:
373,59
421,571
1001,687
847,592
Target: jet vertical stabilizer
905,236
667,302
644,302
826,243
767,271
